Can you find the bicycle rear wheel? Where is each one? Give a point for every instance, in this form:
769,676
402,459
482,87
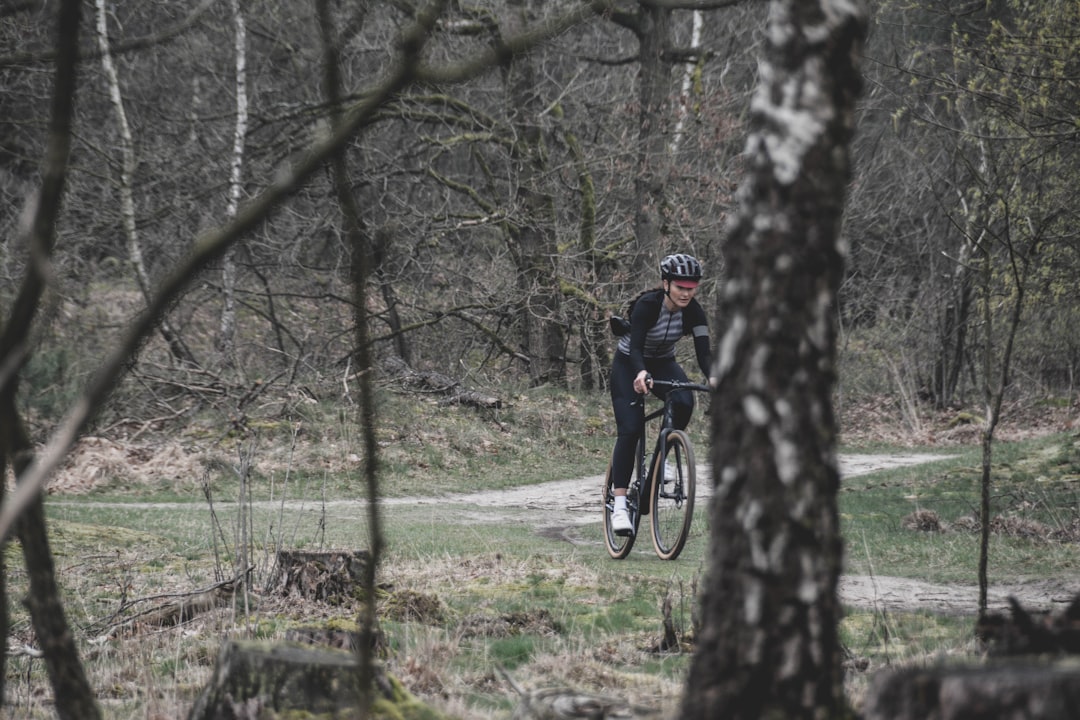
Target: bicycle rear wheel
673,496
618,546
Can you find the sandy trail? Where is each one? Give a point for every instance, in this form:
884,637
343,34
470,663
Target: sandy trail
579,506
582,494
561,508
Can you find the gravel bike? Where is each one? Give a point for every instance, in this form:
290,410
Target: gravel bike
662,485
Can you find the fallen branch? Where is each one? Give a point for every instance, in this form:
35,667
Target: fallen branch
184,608
437,383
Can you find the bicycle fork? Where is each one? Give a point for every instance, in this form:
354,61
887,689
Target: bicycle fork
657,470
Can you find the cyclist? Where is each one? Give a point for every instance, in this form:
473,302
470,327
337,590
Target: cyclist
658,319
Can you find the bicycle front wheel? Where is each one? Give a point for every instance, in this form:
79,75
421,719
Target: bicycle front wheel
673,496
618,546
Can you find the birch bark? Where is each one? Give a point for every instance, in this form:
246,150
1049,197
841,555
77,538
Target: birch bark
227,328
768,646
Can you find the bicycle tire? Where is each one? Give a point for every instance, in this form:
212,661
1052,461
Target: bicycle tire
618,546
672,498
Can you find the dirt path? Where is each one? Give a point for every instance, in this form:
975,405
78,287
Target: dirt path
563,507
582,494
578,507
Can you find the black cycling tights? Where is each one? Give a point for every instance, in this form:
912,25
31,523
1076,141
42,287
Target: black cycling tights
630,418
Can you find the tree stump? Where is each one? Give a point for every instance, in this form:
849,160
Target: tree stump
257,681
332,576
336,638
1016,690
1027,685
1023,632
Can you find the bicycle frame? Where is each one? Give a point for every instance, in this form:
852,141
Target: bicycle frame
647,464
673,494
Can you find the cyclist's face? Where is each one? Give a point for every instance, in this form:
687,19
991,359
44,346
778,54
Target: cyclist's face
680,295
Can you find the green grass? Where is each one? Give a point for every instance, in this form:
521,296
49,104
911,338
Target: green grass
892,638
1031,483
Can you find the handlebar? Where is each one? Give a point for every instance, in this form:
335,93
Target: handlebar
679,384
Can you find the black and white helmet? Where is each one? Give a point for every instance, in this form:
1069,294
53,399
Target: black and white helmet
681,267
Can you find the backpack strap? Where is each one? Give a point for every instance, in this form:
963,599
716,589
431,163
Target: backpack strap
621,325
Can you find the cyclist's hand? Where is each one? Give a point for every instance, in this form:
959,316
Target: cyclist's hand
642,382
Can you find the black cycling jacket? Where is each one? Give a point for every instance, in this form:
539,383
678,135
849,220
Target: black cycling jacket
654,331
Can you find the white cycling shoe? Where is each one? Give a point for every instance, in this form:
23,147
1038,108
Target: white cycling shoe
620,522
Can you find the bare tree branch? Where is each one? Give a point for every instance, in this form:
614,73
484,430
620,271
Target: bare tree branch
165,35
207,249
210,246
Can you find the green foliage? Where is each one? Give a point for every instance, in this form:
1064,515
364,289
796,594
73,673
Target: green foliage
972,207
894,638
512,651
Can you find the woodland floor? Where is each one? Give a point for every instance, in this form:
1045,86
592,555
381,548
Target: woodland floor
564,506
576,504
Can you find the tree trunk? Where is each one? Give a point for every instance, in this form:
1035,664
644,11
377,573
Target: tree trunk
74,697
128,163
5,614
768,646
654,95
953,341
334,577
686,91
994,387
1022,690
532,231
595,359
257,680
382,244
365,674
227,328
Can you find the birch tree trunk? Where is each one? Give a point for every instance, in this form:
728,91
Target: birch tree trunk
227,329
687,91
768,647
127,181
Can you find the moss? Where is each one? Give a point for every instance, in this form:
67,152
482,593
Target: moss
403,705
348,624
299,675
965,418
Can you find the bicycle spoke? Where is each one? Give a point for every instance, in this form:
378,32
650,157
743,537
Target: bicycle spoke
673,497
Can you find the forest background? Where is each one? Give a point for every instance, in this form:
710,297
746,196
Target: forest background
509,215
506,208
